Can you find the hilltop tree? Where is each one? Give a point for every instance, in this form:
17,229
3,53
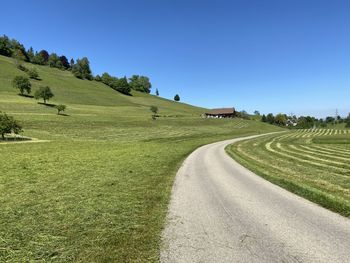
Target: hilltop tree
30,54
257,113
270,118
71,64
5,49
45,55
140,83
44,93
9,47
54,61
122,85
38,59
64,62
22,84
157,92
177,97
8,124
81,69
281,119
263,118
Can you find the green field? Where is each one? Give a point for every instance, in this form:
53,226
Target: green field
97,190
314,164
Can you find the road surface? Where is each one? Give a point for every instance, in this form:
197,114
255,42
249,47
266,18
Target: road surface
222,212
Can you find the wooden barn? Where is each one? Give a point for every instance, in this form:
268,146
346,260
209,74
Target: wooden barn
221,113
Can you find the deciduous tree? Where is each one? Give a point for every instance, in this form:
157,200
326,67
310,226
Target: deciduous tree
8,124
60,108
22,84
44,93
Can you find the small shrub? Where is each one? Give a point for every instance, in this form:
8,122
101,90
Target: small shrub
33,73
60,108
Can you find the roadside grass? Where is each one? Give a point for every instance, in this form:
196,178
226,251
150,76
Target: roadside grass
295,161
98,190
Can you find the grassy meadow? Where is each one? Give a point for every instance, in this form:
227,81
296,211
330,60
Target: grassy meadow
97,189
314,164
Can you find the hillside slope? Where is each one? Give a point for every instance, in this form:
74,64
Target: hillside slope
98,189
70,90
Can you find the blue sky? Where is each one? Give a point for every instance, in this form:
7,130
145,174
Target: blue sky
272,56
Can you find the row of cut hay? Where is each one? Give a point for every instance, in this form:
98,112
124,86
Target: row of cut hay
299,158
311,159
326,151
324,157
287,166
306,133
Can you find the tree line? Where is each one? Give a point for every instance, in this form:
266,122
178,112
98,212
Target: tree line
79,68
303,122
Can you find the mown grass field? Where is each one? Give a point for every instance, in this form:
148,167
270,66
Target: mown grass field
98,190
314,164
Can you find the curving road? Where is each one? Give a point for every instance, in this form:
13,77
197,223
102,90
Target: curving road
222,212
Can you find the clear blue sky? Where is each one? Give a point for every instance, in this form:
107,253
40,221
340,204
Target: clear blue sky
273,56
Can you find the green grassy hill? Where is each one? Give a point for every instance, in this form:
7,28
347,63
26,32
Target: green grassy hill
97,190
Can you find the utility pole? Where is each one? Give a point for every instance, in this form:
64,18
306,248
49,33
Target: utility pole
336,116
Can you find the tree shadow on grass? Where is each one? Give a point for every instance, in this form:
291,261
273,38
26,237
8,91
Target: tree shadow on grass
63,114
47,104
26,96
15,139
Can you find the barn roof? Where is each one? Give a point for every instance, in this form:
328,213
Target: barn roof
221,111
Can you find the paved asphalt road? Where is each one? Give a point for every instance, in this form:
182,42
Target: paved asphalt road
221,212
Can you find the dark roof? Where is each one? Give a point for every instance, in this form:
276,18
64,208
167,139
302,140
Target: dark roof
221,111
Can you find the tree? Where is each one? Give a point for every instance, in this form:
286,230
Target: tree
81,69
22,84
30,54
122,85
8,124
19,58
270,118
281,119
44,93
33,73
177,97
64,62
71,64
140,83
98,78
263,118
257,113
60,108
347,125
54,61
38,59
45,55
5,49
154,110
157,92
242,114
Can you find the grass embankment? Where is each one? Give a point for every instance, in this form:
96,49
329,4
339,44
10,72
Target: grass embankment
318,172
98,190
